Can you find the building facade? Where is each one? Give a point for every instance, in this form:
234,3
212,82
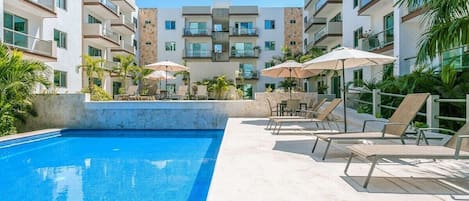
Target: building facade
371,25
235,41
60,32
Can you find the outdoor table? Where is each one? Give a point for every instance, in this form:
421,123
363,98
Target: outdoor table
281,107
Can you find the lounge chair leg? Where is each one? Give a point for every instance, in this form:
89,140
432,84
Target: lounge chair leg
373,164
278,129
314,146
402,140
269,123
348,163
327,149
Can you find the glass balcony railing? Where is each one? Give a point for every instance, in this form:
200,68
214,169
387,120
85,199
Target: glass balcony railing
244,53
243,32
49,4
321,33
27,42
415,7
378,40
320,4
110,34
314,20
248,75
363,3
196,32
110,5
198,53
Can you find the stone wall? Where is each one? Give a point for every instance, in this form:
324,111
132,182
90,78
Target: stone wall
76,111
293,29
148,32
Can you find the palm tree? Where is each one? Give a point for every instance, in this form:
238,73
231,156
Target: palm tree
448,26
18,79
125,68
92,66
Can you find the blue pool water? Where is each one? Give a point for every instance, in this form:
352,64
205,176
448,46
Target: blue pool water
121,165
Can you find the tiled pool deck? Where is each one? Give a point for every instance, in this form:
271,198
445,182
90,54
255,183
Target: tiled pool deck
255,165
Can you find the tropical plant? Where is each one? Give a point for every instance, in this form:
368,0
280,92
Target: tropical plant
139,74
99,94
92,66
185,76
220,86
288,83
448,26
125,68
18,79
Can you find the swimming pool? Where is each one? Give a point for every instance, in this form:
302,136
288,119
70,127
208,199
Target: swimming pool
110,165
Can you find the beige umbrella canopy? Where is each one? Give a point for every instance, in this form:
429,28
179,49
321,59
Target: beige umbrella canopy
344,57
290,69
166,66
160,75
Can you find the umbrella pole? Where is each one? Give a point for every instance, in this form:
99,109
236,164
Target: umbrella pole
290,85
344,92
166,82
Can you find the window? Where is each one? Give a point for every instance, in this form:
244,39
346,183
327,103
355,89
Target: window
61,38
356,36
147,21
336,18
60,78
270,45
94,52
292,42
388,22
170,25
170,46
355,3
93,20
292,21
269,24
268,64
61,4
15,29
148,43
358,78
269,86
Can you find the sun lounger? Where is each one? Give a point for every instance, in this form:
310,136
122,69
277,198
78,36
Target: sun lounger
306,114
395,128
456,148
321,117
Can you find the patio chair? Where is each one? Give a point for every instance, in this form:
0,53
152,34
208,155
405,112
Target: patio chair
456,148
202,92
304,114
273,109
292,106
322,116
395,128
182,92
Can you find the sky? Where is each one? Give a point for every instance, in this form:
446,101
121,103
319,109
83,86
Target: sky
180,3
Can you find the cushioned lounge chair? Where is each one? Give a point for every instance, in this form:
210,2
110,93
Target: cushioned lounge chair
456,148
322,116
305,114
395,128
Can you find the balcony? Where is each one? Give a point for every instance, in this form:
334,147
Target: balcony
252,53
123,25
368,7
331,34
248,75
378,43
125,5
307,4
243,32
313,24
103,8
196,32
197,54
106,64
99,35
124,49
41,8
325,8
32,47
412,12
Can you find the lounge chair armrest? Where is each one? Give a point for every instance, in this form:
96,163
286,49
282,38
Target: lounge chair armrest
458,145
436,129
370,120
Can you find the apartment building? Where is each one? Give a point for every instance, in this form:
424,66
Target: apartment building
52,31
236,41
109,29
370,25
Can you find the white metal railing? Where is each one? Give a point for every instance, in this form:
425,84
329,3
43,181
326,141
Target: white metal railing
378,40
110,5
27,42
49,4
198,53
110,34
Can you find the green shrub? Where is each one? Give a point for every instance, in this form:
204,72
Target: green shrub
98,94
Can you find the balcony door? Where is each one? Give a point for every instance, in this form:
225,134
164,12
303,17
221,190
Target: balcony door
243,27
246,70
388,28
15,30
243,49
198,28
198,49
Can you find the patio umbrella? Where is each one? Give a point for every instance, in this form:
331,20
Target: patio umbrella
166,66
344,57
290,69
159,75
